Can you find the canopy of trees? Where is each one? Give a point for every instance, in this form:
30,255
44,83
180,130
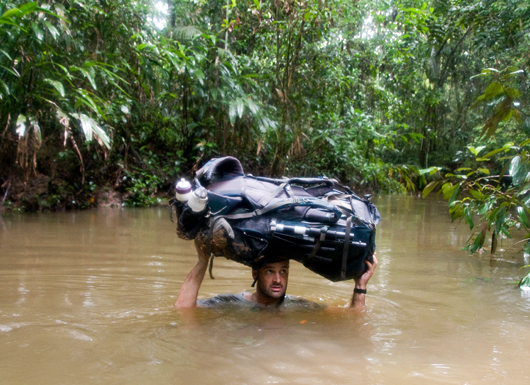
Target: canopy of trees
100,97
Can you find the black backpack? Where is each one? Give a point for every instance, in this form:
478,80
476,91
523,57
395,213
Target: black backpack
315,221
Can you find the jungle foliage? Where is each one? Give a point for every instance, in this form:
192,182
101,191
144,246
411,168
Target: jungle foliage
101,96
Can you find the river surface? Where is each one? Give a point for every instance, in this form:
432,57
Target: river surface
87,298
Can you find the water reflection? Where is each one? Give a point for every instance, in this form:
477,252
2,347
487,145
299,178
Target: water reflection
87,298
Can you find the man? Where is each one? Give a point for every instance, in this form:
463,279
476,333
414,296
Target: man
271,284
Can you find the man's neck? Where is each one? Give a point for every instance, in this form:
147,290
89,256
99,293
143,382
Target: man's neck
263,299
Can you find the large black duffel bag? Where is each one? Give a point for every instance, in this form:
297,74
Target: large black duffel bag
315,221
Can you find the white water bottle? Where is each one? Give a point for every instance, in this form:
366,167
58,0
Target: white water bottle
183,191
198,199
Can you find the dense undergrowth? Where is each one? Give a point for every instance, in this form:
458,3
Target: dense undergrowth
101,106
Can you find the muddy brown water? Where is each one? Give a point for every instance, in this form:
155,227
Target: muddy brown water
86,298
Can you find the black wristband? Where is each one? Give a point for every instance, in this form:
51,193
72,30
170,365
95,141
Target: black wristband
359,291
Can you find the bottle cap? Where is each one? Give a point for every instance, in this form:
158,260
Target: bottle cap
198,199
183,186
201,193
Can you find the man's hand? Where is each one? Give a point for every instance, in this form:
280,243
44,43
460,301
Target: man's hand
357,301
362,281
201,253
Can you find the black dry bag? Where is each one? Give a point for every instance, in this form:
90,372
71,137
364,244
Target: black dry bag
315,221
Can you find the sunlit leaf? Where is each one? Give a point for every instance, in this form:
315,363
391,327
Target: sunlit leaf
476,150
57,85
430,170
52,29
39,33
5,53
21,125
253,107
523,217
428,189
232,111
91,129
240,107
454,195
514,165
13,12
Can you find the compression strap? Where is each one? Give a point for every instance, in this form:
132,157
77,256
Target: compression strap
323,232
345,250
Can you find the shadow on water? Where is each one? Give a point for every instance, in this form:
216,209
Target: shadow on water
87,298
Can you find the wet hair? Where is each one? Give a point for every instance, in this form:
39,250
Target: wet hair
263,260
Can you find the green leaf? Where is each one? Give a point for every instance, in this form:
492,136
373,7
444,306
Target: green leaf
240,107
253,107
484,171
525,281
514,165
7,92
477,150
454,195
523,217
477,195
13,12
468,217
58,86
479,241
84,98
28,8
428,189
513,93
5,53
52,29
10,71
430,170
91,129
232,111
39,33
494,152
493,90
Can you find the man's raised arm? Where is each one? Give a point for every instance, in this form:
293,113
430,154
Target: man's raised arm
358,299
189,291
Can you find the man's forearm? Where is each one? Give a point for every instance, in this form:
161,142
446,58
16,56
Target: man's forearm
189,291
358,299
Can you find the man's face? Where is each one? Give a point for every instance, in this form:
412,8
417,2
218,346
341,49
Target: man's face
272,280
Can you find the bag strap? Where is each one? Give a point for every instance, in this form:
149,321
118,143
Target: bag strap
323,232
267,198
346,248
